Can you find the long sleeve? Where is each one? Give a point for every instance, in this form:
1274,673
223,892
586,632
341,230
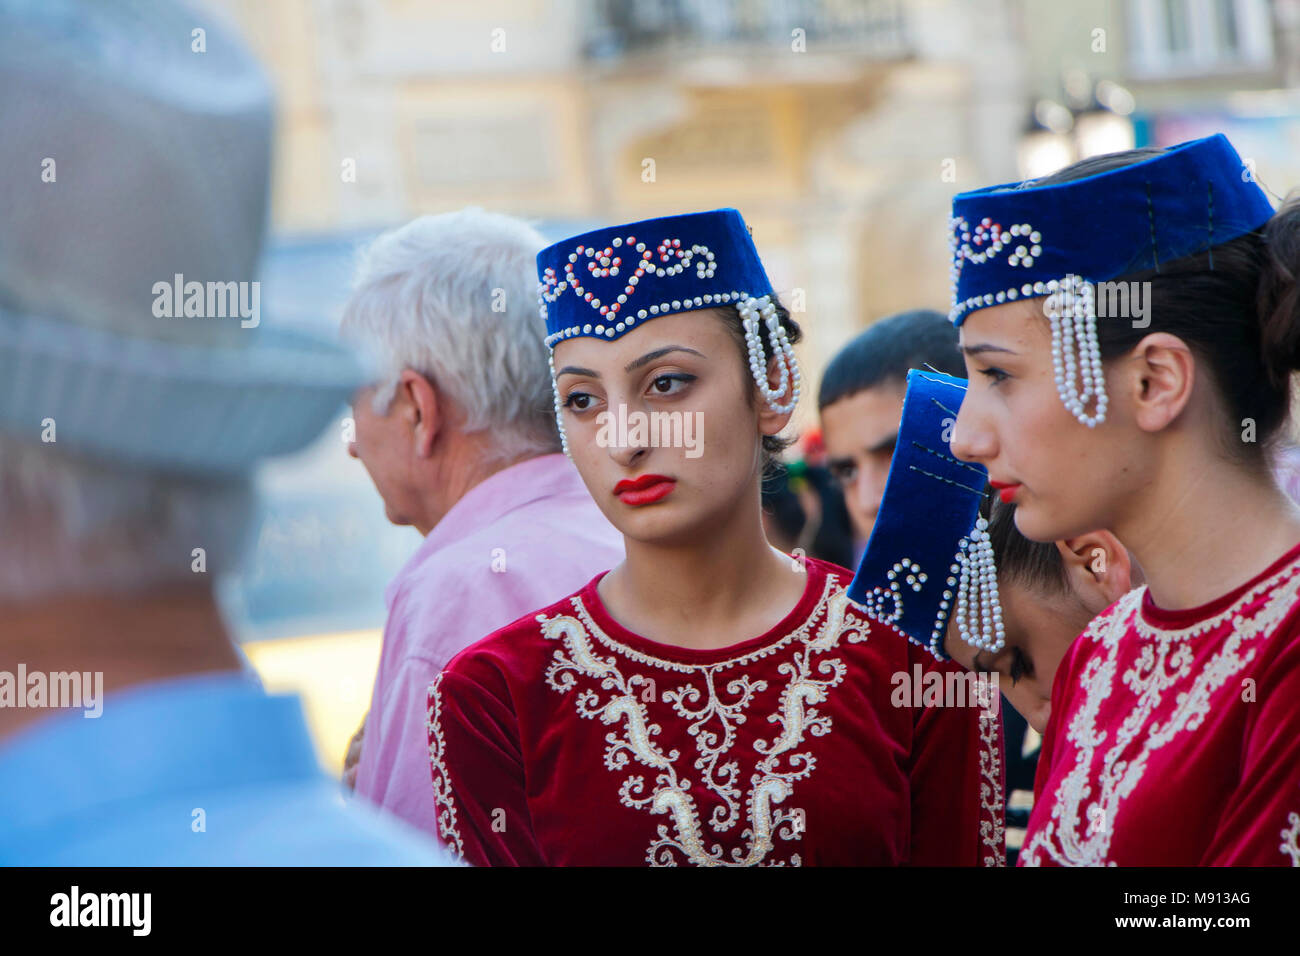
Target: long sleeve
957,780
478,774
1260,825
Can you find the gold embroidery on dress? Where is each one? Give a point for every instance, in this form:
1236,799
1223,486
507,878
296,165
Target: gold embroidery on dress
700,701
442,795
1163,661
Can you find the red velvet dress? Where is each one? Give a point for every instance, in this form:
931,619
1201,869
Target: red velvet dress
564,739
1175,735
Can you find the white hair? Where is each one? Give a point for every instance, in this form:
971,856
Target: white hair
454,297
70,525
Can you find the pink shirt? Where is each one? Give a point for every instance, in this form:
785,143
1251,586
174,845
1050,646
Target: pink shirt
517,542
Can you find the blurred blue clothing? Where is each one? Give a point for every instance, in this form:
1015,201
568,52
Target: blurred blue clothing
196,771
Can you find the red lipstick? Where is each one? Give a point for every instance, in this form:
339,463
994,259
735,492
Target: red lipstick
644,490
1006,490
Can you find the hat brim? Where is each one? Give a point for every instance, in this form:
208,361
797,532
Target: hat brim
171,407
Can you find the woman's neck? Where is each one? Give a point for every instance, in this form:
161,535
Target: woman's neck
719,588
1205,527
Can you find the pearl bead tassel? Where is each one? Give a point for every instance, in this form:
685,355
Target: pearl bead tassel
791,381
979,610
1076,355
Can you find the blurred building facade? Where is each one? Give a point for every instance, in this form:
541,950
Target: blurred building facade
840,128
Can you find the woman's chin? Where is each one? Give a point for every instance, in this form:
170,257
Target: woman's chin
1032,525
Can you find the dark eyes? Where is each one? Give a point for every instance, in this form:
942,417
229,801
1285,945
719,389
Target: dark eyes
667,384
844,472
996,375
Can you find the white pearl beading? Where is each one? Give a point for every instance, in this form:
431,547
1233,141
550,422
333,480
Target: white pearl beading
886,605
791,380
1070,309
963,242
559,412
602,263
1076,355
978,609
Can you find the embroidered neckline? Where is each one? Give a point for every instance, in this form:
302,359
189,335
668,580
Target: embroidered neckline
1087,800
601,691
1147,617
589,608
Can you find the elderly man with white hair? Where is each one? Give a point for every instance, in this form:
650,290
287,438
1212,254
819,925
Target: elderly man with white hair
131,731
459,437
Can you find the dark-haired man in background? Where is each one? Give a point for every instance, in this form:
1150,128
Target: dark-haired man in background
861,404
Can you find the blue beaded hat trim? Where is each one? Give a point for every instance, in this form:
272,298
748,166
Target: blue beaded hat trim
603,282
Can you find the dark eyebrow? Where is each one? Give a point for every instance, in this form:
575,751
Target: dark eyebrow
885,444
631,366
574,370
985,347
659,353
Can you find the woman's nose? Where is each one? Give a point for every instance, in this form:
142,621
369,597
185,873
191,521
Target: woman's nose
969,441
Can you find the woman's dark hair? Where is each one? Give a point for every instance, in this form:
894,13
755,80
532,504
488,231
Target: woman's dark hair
773,445
1031,564
1236,305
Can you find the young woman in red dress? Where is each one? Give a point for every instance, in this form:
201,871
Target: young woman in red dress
710,701
1174,736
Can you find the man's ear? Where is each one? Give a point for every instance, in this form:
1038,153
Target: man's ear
1097,568
422,409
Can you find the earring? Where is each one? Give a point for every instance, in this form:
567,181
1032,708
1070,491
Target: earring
1076,355
790,382
978,610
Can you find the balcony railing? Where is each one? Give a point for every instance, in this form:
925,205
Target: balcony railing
870,28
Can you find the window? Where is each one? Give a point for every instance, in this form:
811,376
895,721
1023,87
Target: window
1175,38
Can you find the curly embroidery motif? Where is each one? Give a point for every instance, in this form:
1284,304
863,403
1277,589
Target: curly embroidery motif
1083,820
1291,838
992,819
714,717
442,794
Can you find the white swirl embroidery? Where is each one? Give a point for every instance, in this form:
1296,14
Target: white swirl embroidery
1163,662
442,793
992,811
773,779
1290,845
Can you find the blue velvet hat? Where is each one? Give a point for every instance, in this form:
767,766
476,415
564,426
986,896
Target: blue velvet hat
603,282
1010,242
908,576
1018,241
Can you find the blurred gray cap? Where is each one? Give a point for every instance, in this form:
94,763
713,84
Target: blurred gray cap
134,177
